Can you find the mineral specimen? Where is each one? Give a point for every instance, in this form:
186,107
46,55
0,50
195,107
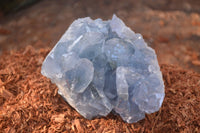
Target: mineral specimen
103,66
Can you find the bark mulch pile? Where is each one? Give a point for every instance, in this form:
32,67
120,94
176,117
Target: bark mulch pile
29,102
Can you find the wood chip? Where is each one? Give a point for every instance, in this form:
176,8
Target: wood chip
196,62
78,125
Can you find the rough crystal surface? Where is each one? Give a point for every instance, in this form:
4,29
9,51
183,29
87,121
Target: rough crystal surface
103,66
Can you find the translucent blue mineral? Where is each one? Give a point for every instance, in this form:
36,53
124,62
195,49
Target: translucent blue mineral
103,66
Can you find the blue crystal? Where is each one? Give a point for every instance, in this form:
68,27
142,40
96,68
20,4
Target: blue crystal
103,66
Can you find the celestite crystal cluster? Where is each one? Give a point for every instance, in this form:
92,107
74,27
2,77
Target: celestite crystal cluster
103,66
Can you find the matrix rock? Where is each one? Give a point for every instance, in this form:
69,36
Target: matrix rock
103,66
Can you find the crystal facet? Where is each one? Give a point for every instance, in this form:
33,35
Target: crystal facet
103,66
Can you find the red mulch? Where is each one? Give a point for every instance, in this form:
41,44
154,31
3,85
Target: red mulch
29,102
